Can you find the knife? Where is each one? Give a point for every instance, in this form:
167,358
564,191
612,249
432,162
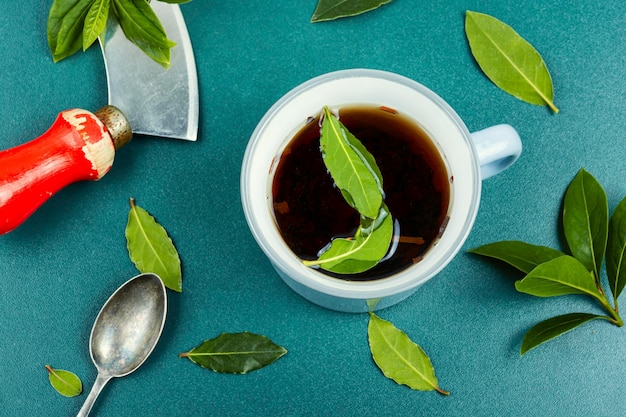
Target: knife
144,98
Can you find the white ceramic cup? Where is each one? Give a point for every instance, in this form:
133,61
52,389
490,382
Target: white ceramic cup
469,159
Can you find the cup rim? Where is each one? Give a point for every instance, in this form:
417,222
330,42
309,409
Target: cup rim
280,254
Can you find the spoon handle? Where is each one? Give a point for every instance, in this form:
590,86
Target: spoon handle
101,381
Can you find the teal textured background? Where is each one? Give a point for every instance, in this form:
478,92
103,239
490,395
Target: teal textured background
58,268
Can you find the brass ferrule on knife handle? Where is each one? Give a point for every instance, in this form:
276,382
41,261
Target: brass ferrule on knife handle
79,145
117,125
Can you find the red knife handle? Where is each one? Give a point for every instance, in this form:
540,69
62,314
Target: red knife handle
80,145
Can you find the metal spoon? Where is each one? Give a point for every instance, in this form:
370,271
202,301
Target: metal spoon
126,331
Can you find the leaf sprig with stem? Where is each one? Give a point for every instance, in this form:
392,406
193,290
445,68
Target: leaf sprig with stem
76,24
592,238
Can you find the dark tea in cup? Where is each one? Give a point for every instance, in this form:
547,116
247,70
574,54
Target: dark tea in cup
310,210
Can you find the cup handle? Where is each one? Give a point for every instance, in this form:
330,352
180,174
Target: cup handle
498,147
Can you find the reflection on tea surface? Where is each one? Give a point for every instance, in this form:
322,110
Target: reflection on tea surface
310,210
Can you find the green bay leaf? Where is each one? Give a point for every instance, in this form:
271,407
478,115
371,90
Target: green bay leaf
521,255
561,276
335,9
151,249
508,60
95,22
362,252
585,220
399,358
142,27
351,167
65,27
235,353
366,158
616,250
554,327
64,382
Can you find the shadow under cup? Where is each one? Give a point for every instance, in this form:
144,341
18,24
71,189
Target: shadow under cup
356,88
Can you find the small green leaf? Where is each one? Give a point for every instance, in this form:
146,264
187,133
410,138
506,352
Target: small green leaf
351,167
561,276
521,255
554,327
65,27
616,250
151,249
142,27
508,60
95,22
335,9
235,353
369,245
65,382
585,221
399,358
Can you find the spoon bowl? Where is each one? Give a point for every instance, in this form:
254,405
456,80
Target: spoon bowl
126,331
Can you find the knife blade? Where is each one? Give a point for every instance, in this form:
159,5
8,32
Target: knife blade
144,98
162,102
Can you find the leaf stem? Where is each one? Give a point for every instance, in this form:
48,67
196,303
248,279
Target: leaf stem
551,105
614,318
611,320
604,302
